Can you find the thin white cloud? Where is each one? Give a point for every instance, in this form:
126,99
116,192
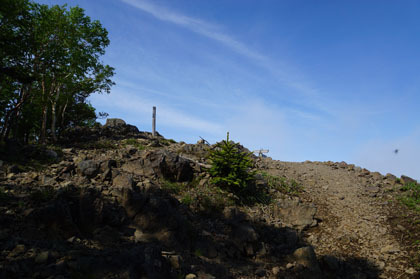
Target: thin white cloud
211,31
167,15
196,25
137,111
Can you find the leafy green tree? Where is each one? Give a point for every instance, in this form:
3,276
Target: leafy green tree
230,167
73,44
49,65
16,45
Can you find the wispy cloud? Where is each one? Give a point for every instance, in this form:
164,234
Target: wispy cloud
138,110
213,32
196,25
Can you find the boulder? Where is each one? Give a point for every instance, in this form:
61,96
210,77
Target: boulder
114,122
120,130
390,177
405,180
296,214
245,239
114,129
162,164
306,257
123,181
51,154
88,168
377,176
108,164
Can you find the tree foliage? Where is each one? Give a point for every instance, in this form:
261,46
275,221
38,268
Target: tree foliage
49,65
230,167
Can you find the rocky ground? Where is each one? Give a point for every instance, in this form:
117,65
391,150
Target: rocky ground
359,219
113,202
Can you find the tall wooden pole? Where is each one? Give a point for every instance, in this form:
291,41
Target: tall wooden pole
154,122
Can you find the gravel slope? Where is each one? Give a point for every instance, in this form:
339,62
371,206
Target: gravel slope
352,210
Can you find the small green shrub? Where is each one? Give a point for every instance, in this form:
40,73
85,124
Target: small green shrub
207,200
282,184
187,199
411,195
230,168
134,143
131,141
172,187
167,141
100,144
255,194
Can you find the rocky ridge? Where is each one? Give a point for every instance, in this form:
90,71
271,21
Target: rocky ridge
115,202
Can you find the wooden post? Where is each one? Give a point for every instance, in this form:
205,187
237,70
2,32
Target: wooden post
154,122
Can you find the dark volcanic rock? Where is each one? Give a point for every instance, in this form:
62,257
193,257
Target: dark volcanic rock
88,168
169,165
114,122
123,181
115,129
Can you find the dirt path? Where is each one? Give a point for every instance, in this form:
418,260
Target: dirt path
353,222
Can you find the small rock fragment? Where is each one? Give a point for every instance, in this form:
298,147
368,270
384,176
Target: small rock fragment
290,265
410,271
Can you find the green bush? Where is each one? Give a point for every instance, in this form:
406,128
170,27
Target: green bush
167,141
282,184
230,167
100,144
411,195
135,143
187,199
172,187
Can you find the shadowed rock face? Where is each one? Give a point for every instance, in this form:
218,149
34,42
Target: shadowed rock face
161,163
168,165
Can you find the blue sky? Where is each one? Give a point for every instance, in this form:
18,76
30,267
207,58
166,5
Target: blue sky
308,80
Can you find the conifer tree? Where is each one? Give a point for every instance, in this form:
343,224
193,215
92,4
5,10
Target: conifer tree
231,167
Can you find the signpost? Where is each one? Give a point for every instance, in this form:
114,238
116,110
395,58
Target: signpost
154,122
261,152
